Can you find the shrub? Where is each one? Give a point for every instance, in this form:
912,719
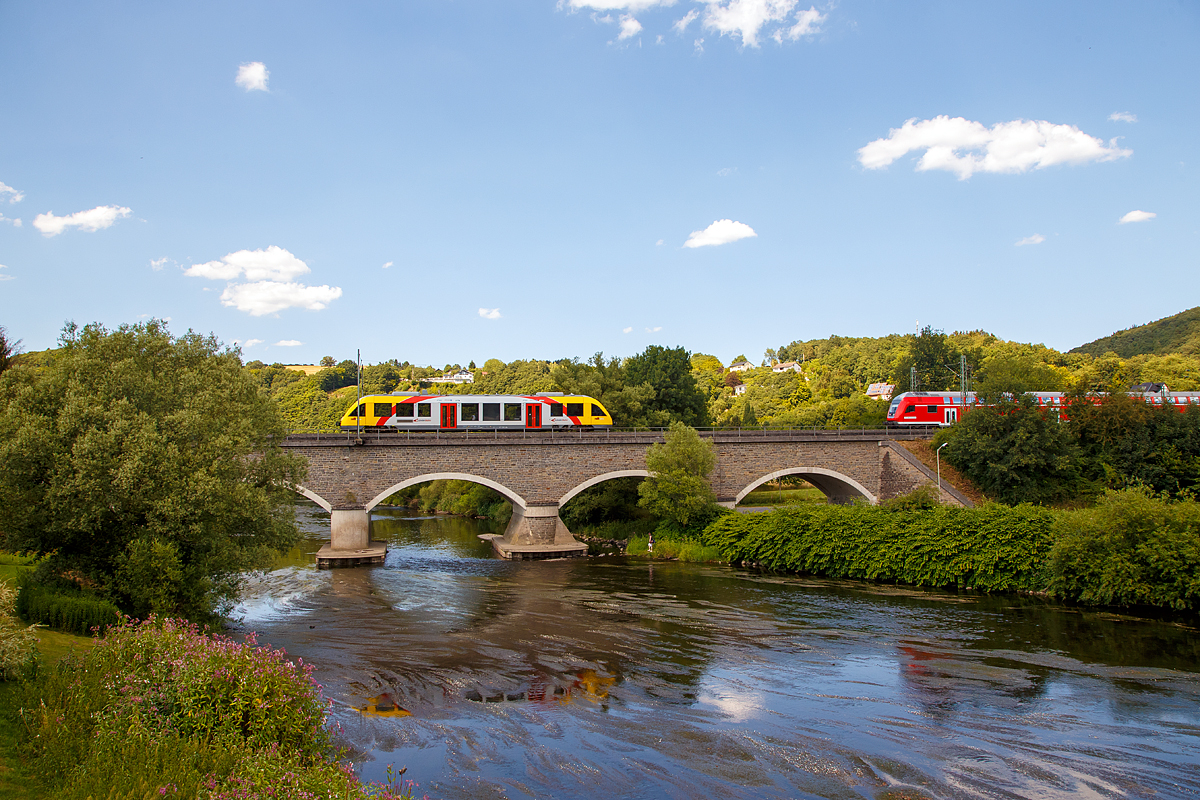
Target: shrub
1130,549
160,708
16,641
69,612
992,548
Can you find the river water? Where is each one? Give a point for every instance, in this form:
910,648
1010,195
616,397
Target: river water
620,678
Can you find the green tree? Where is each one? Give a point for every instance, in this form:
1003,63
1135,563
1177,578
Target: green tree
9,350
327,361
1015,452
668,371
677,488
147,466
934,360
1014,374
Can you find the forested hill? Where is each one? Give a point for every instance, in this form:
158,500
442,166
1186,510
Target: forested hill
1177,334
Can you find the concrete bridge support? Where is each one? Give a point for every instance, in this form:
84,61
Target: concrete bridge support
350,541
535,532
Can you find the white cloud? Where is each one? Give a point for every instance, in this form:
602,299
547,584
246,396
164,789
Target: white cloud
288,343
1136,216
627,330
631,6
1037,238
1122,116
16,223
4,276
747,18
698,46
246,345
253,76
630,27
17,195
388,264
658,243
726,172
808,23
92,220
269,297
1005,147
272,264
489,313
658,39
654,330
687,19
723,231
156,264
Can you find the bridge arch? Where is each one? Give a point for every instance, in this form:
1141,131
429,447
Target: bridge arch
311,495
608,476
831,482
509,494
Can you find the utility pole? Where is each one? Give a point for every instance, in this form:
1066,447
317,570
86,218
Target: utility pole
912,379
358,408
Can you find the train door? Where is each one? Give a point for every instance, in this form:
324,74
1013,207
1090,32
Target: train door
449,415
533,415
950,415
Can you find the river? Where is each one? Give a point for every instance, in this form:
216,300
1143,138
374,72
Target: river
620,678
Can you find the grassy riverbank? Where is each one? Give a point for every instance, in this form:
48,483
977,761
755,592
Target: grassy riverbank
1132,549
161,709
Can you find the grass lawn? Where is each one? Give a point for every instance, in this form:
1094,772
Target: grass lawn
775,497
16,781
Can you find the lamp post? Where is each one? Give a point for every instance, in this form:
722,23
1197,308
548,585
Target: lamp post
938,454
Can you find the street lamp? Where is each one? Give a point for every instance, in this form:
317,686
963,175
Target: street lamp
938,454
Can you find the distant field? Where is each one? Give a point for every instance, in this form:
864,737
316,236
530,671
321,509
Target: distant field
777,497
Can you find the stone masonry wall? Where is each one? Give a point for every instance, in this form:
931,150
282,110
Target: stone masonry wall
541,474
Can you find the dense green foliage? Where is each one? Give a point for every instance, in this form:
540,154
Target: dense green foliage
68,611
159,709
146,465
1175,334
463,498
677,489
994,548
610,501
1016,452
1130,549
668,371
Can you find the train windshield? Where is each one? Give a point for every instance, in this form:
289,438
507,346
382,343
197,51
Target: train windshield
893,407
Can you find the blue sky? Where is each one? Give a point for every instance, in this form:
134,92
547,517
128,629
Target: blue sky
444,180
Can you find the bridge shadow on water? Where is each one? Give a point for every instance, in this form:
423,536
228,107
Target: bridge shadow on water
623,678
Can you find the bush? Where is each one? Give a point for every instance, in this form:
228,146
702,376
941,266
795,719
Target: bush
72,613
1130,549
160,708
16,641
992,548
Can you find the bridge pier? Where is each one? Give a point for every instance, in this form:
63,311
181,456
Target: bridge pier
536,532
350,540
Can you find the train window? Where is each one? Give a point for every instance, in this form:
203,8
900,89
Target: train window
470,412
381,409
910,409
491,412
574,409
556,409
597,411
931,409
512,412
405,410
361,411
425,410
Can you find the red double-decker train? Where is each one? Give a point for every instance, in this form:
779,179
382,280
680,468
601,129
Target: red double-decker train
922,409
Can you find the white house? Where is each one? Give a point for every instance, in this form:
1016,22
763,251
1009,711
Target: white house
881,391
784,366
740,366
739,389
462,376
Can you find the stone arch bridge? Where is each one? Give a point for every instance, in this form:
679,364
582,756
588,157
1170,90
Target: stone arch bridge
540,471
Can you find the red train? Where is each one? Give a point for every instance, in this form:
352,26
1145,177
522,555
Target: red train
945,408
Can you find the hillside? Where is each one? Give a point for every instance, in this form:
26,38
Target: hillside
1177,334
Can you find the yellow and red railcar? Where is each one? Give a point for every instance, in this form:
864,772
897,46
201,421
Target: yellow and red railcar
406,411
